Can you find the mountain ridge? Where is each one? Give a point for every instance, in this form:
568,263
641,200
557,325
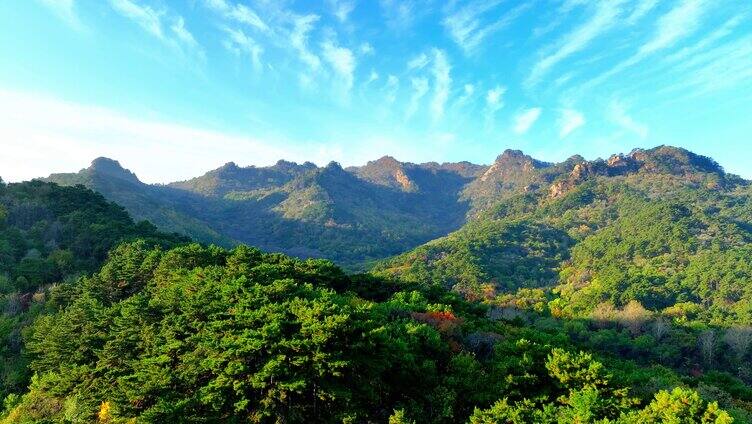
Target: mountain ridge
358,214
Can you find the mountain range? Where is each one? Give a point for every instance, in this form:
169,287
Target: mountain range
651,226
523,291
351,216
359,215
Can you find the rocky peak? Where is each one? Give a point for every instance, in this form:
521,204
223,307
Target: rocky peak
511,162
334,166
675,160
290,167
387,161
511,154
111,168
389,172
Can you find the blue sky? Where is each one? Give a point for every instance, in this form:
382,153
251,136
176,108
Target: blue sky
175,88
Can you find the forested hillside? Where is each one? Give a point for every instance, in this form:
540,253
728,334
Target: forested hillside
199,334
645,256
663,227
51,234
351,216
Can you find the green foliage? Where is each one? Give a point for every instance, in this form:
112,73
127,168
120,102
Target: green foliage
500,255
349,216
680,406
204,334
51,234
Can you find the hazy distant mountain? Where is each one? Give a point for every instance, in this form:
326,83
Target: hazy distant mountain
351,216
377,210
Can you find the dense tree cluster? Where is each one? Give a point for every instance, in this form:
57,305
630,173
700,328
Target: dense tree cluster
203,334
649,266
51,234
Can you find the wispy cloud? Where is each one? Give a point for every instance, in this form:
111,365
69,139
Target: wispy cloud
673,26
418,62
65,10
604,17
724,67
342,61
147,18
391,87
238,42
617,113
178,28
402,14
156,23
341,9
569,120
442,83
525,119
299,40
494,99
239,13
468,91
373,76
420,88
641,9
494,102
466,25
724,31
366,49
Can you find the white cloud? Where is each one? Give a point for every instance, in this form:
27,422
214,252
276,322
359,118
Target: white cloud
569,120
239,13
724,67
341,59
366,49
494,98
467,92
420,88
466,26
238,42
442,83
691,51
603,19
676,24
180,31
642,8
65,10
299,40
494,102
373,76
399,13
144,16
525,119
342,9
175,36
43,135
617,113
418,62
247,16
